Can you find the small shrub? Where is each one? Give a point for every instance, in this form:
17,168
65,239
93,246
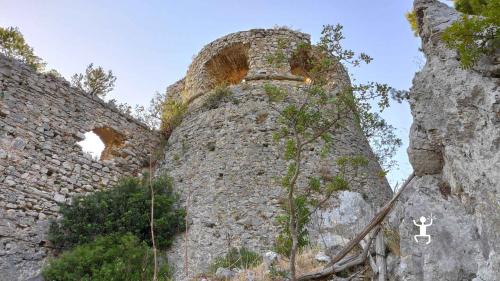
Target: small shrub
276,59
172,113
124,208
220,94
392,240
274,93
114,257
237,258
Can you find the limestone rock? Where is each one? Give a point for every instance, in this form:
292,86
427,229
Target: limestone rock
270,258
224,273
455,152
333,226
322,257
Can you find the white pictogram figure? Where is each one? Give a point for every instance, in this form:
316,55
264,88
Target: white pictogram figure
423,229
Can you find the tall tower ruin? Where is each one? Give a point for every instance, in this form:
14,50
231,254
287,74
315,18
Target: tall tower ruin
225,163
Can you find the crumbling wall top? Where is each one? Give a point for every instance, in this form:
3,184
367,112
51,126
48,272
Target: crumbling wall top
246,55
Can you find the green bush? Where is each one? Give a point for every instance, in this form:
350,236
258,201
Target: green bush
114,257
237,258
122,209
220,94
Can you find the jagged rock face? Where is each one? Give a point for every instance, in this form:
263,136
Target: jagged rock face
223,158
41,120
455,152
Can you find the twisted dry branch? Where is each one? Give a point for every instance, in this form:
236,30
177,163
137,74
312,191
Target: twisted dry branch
336,265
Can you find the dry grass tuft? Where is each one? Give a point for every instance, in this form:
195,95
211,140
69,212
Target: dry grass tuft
392,240
305,263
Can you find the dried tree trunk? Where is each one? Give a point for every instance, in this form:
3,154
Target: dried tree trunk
371,261
380,257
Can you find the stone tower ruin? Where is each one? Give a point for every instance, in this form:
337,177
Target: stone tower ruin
225,163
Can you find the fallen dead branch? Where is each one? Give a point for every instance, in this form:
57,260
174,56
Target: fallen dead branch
337,264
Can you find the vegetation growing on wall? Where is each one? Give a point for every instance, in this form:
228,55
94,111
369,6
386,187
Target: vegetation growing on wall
172,114
13,45
95,81
217,96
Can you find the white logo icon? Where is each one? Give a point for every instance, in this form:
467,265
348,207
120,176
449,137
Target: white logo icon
423,229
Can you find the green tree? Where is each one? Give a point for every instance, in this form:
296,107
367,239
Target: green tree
95,81
151,115
476,35
313,119
470,7
114,257
124,208
13,45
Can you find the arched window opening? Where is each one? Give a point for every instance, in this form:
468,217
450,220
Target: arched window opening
92,145
229,66
301,63
102,143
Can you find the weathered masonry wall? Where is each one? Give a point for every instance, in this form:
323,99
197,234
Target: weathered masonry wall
41,120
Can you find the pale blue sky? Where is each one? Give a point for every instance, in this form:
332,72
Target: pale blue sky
149,44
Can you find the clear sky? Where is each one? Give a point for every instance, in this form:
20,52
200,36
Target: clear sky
149,44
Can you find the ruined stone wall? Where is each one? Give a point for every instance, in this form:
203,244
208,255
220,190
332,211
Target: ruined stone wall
455,152
41,120
225,163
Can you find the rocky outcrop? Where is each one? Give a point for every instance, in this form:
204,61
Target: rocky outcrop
455,153
41,120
